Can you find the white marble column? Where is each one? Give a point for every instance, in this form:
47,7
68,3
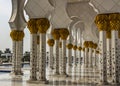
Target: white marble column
51,44
115,27
86,58
115,59
51,57
42,58
60,56
103,62
33,50
63,60
42,24
119,48
19,56
69,61
90,58
57,72
17,37
38,51
83,52
79,55
95,58
64,34
102,22
14,58
108,55
80,60
33,58
56,36
75,55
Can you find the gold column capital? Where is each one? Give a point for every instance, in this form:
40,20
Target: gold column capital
83,49
51,42
43,24
102,21
95,45
60,44
32,26
86,44
97,52
79,48
74,47
69,46
64,33
108,34
55,33
114,21
90,44
17,35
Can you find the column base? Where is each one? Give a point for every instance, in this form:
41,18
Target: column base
104,84
32,81
16,73
43,81
64,75
16,78
115,84
56,75
69,70
50,72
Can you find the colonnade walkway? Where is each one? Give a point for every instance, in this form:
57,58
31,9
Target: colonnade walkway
77,78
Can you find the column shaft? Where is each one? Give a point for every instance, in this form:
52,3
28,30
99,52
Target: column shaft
103,71
86,57
33,57
38,53
14,57
115,59
51,57
95,58
109,65
42,58
69,62
57,72
90,58
74,59
19,56
63,61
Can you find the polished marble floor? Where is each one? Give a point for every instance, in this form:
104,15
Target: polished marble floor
7,80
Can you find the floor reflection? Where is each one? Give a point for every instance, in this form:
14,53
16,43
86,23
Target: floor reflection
8,80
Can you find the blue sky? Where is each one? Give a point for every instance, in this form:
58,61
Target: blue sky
5,40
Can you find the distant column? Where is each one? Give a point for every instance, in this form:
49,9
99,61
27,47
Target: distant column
63,34
94,55
79,55
60,56
56,36
86,54
51,44
83,51
75,55
90,45
69,60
